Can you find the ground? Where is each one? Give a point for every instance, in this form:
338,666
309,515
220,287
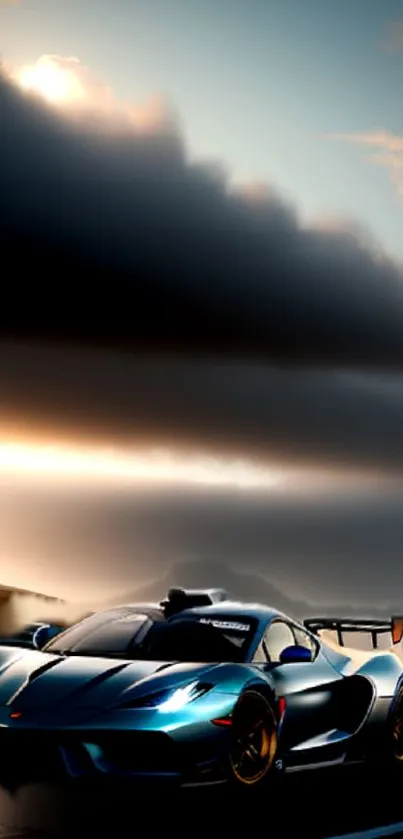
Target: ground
319,805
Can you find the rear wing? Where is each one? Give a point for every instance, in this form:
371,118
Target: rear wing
374,628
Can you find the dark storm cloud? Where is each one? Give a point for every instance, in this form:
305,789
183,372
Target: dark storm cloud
239,410
121,238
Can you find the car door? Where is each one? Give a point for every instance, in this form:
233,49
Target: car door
308,687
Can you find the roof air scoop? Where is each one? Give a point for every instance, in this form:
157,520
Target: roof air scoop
179,599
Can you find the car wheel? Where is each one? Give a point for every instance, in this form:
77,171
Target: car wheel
397,731
253,742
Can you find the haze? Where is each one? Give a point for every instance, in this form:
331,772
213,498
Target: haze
212,196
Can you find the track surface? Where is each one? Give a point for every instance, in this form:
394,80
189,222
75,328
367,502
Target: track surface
317,805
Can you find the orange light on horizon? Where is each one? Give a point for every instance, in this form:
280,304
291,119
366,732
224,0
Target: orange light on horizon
64,462
124,467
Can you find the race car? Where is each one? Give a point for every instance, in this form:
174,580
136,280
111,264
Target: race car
194,689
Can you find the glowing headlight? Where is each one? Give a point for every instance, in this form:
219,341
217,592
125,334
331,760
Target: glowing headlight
182,696
172,699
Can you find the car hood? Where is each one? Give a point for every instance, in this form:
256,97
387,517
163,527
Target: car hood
35,681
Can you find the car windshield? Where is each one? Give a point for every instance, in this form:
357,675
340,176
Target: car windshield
137,636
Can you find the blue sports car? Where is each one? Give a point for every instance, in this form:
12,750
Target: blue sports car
194,689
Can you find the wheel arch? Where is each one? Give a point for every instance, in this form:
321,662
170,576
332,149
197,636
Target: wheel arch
397,695
265,689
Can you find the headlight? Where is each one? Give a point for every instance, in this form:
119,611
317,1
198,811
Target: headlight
171,699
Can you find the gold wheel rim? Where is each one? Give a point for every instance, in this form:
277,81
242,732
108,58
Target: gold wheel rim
398,729
254,749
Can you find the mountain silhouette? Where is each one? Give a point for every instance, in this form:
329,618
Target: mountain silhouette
247,587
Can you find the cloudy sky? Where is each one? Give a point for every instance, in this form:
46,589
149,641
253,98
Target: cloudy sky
212,194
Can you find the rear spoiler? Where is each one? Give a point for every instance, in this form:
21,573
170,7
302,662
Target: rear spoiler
394,627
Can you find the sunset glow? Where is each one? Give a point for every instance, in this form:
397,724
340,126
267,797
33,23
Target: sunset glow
54,83
99,467
64,462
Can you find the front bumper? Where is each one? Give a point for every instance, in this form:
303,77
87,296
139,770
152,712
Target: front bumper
128,744
53,755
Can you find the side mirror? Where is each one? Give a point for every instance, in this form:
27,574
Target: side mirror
295,655
32,637
41,637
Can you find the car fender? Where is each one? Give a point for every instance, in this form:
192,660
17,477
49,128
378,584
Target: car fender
236,678
385,671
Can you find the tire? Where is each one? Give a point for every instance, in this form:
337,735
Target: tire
397,732
254,742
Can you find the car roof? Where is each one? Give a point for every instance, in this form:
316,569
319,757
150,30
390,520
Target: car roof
235,608
258,611
229,607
